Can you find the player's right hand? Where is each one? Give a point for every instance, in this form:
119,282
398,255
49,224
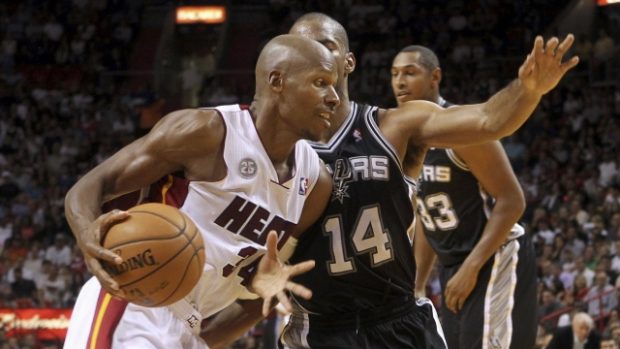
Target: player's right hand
90,244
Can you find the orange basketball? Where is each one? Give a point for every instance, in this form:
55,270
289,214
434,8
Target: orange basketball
162,251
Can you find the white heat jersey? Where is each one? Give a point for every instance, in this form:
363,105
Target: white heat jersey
234,215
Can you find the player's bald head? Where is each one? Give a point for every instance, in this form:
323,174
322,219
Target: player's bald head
321,27
290,54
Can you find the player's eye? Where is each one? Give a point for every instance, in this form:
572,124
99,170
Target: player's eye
320,83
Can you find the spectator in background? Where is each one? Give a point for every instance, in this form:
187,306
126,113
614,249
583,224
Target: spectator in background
23,289
59,253
581,269
548,305
601,298
33,264
52,288
580,288
580,335
608,342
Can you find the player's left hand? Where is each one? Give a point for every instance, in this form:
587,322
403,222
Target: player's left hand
459,288
272,277
543,68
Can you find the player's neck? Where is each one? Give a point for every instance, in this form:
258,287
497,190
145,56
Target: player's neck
276,139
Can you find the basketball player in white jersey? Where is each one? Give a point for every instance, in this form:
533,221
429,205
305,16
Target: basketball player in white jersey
249,174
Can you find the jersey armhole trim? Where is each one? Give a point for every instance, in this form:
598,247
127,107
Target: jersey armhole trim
457,160
374,129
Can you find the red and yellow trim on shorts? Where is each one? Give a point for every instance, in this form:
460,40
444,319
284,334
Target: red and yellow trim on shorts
108,314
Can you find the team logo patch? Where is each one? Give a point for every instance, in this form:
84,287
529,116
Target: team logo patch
303,186
247,168
342,176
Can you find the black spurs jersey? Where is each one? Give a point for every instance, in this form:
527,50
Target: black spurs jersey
360,244
452,205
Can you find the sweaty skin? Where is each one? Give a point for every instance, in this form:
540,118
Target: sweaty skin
295,80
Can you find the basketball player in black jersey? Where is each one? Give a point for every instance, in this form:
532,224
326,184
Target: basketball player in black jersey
363,280
469,201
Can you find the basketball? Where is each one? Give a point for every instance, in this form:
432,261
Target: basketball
162,251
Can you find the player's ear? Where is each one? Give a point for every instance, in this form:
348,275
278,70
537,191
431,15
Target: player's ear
436,76
349,63
276,80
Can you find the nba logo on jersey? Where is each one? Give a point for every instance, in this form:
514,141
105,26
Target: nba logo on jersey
303,185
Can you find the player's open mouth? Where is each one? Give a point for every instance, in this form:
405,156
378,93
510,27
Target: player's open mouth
402,93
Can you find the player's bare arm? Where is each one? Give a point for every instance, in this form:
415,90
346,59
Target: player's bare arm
174,144
418,123
424,256
231,323
491,167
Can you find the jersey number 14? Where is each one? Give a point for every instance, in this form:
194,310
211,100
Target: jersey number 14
369,236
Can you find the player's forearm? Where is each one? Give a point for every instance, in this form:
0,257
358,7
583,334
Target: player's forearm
231,323
424,259
83,204
508,109
503,217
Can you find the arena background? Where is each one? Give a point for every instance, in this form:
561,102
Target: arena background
81,78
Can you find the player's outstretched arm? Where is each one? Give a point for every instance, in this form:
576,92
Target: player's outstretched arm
176,139
426,123
273,278
490,165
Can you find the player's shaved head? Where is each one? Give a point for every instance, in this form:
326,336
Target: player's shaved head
290,54
312,22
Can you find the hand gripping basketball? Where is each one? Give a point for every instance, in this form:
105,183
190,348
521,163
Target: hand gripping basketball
90,244
272,277
162,253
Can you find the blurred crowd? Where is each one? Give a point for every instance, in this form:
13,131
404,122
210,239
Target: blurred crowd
567,156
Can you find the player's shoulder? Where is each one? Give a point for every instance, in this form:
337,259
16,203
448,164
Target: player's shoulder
188,120
190,126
